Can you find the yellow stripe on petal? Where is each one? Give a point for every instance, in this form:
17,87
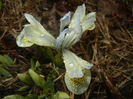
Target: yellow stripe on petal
77,81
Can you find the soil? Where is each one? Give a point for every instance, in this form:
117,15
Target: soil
109,46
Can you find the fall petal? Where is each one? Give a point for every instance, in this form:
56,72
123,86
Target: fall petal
74,64
36,24
22,41
34,35
78,85
71,64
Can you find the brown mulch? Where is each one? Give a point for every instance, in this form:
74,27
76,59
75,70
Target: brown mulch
109,46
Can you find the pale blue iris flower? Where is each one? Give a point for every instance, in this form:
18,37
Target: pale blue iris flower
77,69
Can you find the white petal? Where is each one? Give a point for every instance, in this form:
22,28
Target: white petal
35,23
88,21
74,64
80,11
71,65
75,72
35,36
78,85
76,32
68,39
60,39
65,21
74,36
84,63
22,41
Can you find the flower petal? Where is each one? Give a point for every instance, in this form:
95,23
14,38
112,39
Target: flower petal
22,41
64,21
60,39
74,64
78,85
80,11
34,35
36,24
67,39
88,22
83,63
73,36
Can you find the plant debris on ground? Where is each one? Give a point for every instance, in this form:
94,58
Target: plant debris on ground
109,47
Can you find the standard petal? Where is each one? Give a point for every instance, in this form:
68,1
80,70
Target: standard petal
74,64
74,35
22,41
34,35
35,23
78,85
75,30
60,39
88,22
65,21
70,39
80,11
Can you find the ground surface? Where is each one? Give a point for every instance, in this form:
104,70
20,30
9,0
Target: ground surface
109,46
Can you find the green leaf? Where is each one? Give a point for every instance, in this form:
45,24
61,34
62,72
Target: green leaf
34,65
24,88
14,97
37,79
61,95
49,53
25,78
37,64
5,72
126,2
50,85
42,97
0,4
31,96
6,60
58,60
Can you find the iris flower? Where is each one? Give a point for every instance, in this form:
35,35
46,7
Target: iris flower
78,76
